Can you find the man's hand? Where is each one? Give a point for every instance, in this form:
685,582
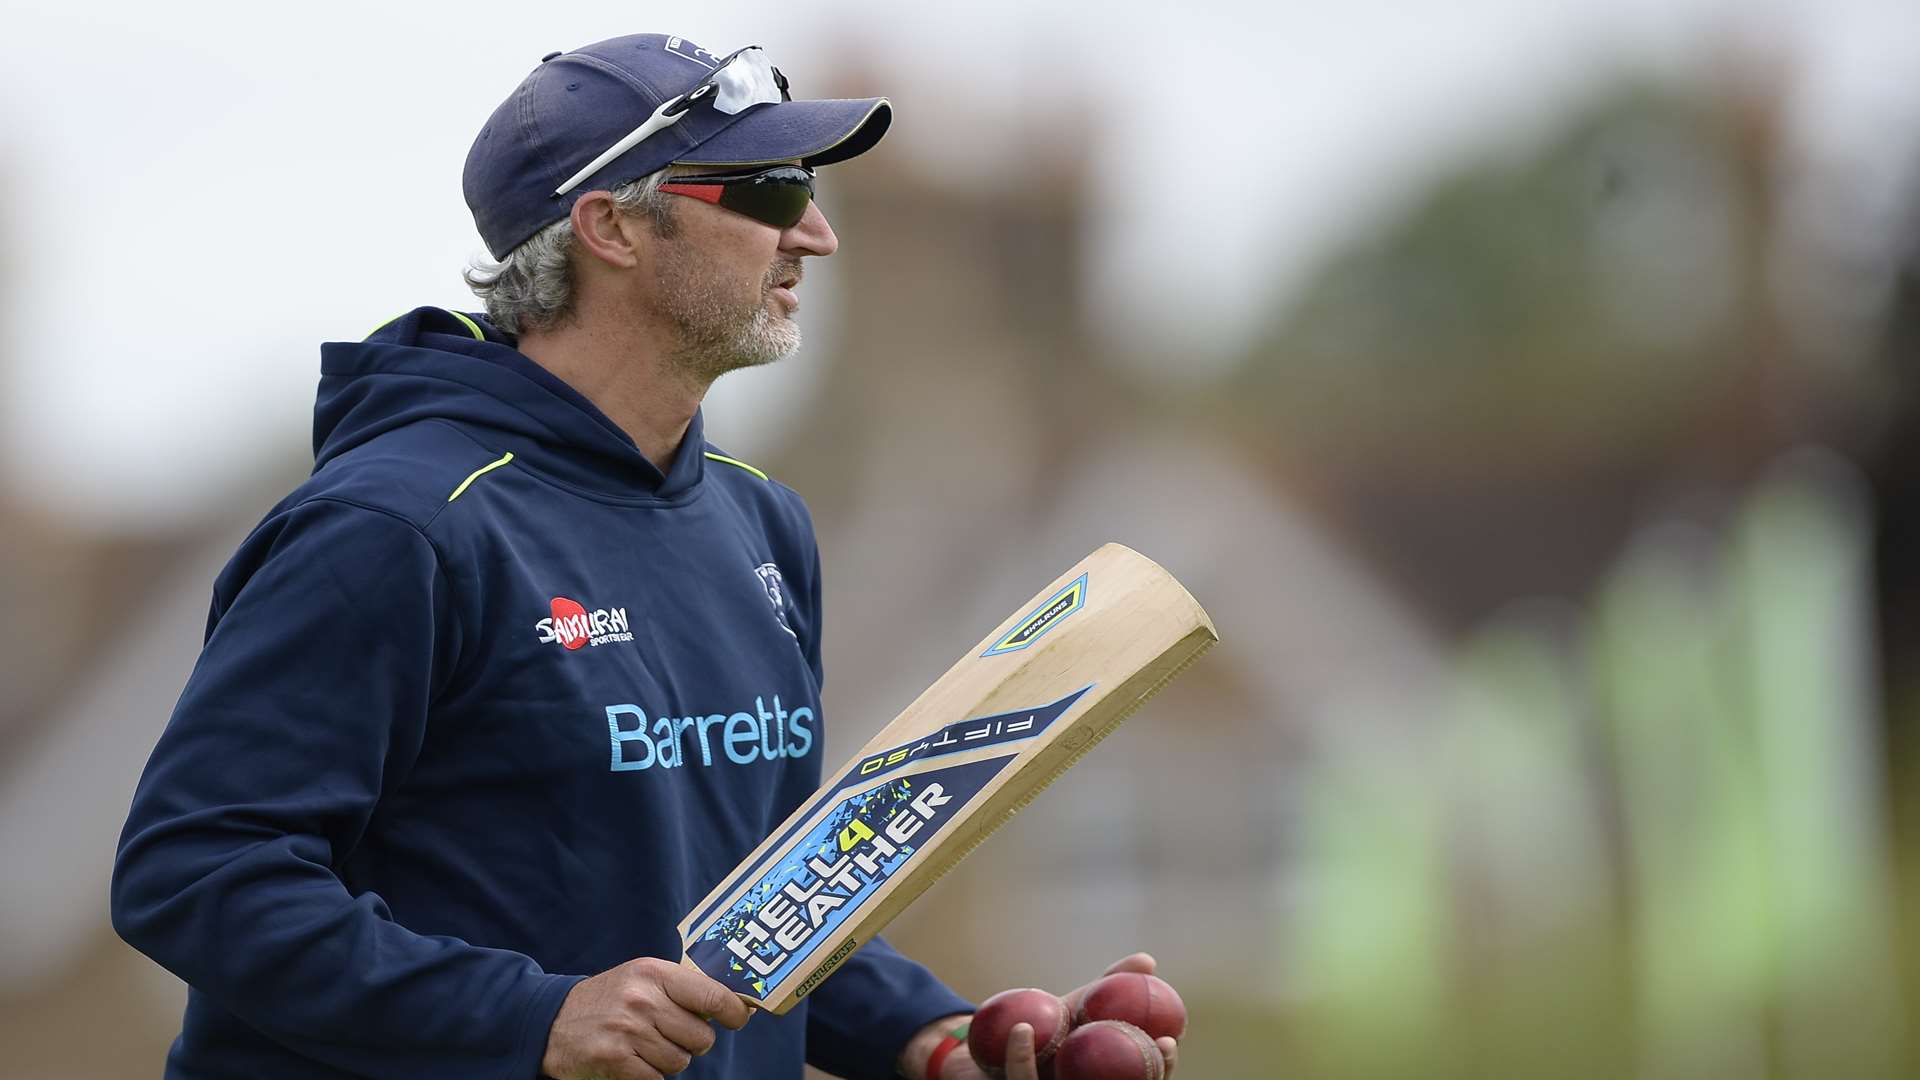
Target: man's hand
1020,1061
643,1020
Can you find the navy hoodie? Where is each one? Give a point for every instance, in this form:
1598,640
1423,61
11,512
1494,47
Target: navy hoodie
485,706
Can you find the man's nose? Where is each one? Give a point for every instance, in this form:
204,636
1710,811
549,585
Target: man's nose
811,235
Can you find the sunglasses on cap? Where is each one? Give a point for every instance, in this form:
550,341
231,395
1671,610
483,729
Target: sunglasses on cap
744,79
777,196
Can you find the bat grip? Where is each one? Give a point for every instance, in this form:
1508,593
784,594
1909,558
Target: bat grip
753,1004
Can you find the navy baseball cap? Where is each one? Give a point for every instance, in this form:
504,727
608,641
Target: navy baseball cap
576,105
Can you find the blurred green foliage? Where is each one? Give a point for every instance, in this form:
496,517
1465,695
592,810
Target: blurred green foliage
1578,292
1643,839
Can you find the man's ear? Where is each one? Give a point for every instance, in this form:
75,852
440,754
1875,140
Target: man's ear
604,233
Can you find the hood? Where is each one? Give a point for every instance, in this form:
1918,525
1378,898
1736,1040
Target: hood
433,364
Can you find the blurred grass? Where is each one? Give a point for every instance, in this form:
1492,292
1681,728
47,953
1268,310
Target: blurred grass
1644,839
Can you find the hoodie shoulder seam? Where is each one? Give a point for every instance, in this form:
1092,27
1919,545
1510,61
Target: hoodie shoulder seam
736,462
439,556
506,458
532,472
370,508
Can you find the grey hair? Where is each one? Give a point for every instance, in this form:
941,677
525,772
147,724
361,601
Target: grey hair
532,288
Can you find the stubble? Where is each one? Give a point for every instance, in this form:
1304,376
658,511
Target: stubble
721,330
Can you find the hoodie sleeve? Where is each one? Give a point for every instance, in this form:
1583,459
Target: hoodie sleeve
332,630
860,1019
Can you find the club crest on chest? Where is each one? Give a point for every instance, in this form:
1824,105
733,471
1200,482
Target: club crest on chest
776,590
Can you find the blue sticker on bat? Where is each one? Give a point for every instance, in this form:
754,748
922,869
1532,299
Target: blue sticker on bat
831,873
1051,613
999,729
968,735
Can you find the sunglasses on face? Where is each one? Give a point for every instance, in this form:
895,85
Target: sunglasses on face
777,196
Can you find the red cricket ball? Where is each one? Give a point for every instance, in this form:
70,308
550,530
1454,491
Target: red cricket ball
1145,1001
1109,1050
990,1027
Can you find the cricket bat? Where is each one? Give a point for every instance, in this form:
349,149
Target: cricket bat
1007,719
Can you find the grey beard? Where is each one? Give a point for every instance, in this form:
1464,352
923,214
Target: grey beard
711,350
716,338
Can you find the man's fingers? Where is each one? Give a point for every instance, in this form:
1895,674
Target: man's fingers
693,991
1169,1052
653,1049
1020,1063
628,1066
639,1069
733,1013
686,1031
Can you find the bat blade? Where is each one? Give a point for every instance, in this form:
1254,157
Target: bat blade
977,745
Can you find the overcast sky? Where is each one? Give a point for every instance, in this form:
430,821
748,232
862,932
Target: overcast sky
193,195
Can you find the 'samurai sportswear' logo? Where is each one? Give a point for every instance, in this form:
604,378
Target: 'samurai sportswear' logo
1051,613
573,626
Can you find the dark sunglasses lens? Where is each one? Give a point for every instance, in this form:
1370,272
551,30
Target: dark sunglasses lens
778,197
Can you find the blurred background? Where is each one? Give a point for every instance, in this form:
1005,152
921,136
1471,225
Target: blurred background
1527,388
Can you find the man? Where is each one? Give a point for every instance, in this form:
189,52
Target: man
526,665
